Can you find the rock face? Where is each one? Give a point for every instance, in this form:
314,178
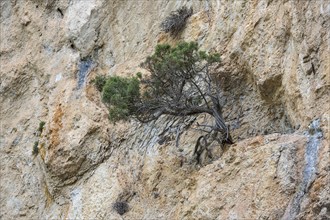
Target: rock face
275,83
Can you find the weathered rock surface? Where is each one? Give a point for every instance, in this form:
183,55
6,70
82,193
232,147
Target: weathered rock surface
275,82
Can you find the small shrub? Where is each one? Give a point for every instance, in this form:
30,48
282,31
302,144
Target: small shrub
99,82
139,75
176,21
35,149
120,207
41,126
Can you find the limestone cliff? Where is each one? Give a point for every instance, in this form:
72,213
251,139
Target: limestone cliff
274,77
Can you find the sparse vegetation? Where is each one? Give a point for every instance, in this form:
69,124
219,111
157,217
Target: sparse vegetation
41,126
35,149
176,21
120,207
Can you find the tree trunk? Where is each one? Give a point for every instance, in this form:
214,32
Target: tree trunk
220,122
